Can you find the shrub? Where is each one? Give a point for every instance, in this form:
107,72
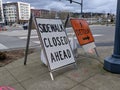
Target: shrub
3,56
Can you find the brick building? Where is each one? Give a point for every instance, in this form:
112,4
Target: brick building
42,13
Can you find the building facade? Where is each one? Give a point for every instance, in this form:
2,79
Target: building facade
42,13
17,12
1,13
36,12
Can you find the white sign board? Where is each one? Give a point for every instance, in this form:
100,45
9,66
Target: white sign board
89,46
73,43
55,42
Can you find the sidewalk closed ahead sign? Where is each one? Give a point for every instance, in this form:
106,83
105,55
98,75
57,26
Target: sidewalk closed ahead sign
55,42
82,31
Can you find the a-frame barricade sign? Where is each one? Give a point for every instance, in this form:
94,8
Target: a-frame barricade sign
54,42
83,34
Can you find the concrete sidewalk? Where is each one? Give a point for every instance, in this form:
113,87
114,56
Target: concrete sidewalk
90,74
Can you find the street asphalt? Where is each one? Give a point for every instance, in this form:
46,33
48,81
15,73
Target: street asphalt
16,38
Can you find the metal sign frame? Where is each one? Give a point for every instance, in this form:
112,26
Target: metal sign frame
33,20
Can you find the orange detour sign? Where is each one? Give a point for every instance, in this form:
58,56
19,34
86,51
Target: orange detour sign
82,31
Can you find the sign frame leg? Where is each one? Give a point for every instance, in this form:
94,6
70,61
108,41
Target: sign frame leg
75,65
28,40
98,55
51,75
66,21
96,52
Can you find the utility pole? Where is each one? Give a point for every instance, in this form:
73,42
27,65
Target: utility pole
108,14
112,63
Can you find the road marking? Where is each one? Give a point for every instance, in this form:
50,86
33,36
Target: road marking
97,35
38,42
3,46
71,36
26,37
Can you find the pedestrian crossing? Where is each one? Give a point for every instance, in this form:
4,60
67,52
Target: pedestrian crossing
34,39
97,35
2,47
25,37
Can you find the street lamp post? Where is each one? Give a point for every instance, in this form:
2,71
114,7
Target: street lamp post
112,63
81,8
81,4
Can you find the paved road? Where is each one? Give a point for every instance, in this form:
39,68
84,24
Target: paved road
17,39
104,36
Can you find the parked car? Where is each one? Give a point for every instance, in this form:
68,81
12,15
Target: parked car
25,26
2,28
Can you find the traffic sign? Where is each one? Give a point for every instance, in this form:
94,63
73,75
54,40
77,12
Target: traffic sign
55,42
82,31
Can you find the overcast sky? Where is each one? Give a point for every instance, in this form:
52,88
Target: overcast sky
104,6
